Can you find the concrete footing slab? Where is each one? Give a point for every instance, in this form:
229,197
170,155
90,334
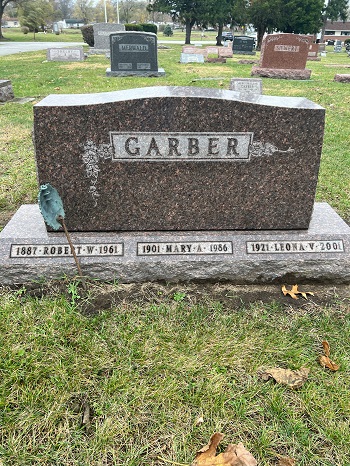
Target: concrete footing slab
320,254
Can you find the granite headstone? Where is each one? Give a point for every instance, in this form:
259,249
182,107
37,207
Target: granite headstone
155,172
191,58
243,45
312,54
192,49
102,31
134,53
225,52
65,54
342,78
246,85
284,56
212,50
6,91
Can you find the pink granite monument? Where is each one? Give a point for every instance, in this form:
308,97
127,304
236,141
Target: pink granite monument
284,56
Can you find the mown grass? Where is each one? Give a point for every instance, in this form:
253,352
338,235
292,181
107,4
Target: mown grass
148,370
16,35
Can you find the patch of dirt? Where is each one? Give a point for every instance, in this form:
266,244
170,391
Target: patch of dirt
100,296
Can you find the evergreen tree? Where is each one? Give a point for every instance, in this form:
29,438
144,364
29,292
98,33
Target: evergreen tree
301,16
265,16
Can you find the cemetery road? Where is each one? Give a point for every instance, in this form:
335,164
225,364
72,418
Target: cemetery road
9,48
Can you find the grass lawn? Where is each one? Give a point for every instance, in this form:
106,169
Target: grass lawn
120,374
16,35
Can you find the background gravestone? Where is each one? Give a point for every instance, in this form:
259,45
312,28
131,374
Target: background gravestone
192,49
156,172
102,31
192,58
212,50
284,56
65,54
313,52
246,85
6,91
243,45
134,54
225,52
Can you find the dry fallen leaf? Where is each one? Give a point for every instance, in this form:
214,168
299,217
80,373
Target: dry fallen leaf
234,455
294,291
325,360
293,379
326,348
199,421
285,461
57,88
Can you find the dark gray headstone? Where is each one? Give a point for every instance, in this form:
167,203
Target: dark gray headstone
102,31
243,45
65,54
6,91
134,53
128,164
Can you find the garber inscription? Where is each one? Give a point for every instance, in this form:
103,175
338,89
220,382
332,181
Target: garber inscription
197,146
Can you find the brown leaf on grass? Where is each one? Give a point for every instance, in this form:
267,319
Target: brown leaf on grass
293,379
234,455
294,291
285,461
325,359
326,348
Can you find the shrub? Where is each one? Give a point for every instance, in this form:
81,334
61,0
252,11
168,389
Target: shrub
88,34
347,41
147,27
168,31
133,27
25,29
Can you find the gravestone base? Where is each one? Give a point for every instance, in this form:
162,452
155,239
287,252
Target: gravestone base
145,73
320,254
215,60
342,78
242,52
248,62
281,73
6,91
